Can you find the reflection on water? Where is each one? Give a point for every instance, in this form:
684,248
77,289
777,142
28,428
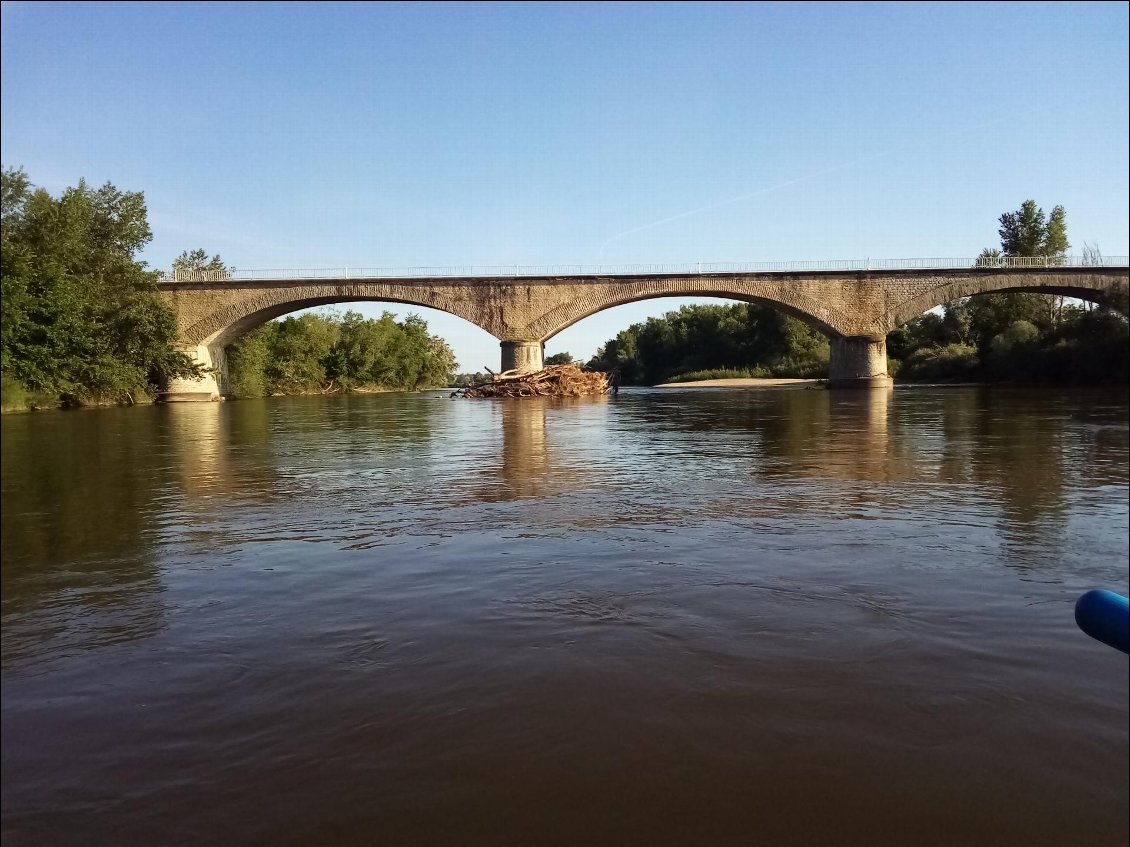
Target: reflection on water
76,532
682,616
527,463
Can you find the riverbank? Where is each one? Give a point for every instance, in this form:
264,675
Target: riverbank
20,401
15,399
742,383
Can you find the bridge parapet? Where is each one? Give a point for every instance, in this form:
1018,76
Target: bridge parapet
490,272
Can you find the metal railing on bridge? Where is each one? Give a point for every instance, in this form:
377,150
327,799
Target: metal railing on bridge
688,268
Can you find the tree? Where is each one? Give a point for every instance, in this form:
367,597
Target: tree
1027,232
14,189
301,346
195,265
560,359
1055,236
1092,255
335,352
248,360
1023,232
714,337
81,317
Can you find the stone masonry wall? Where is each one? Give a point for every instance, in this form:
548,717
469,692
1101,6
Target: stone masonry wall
856,304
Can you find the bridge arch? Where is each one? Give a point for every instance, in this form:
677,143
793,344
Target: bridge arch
803,302
213,316
1091,288
569,314
223,328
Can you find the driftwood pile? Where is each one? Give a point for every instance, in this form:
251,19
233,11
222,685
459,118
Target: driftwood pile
554,381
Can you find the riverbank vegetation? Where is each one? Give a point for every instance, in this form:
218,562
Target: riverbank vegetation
80,319
1018,337
331,353
757,340
1013,337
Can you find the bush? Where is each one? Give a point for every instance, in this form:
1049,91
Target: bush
721,373
952,362
13,395
17,397
1018,334
809,365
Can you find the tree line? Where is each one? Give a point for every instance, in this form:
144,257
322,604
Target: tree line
81,320
338,352
1009,336
704,341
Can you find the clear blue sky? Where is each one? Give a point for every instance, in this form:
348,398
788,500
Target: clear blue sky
325,135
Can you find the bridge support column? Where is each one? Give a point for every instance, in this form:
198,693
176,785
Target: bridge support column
212,386
858,362
523,356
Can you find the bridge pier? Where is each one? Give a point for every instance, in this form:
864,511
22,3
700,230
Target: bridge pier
858,362
523,356
212,386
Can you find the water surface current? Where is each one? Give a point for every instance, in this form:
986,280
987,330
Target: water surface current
692,616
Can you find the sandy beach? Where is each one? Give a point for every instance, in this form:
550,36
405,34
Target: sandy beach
741,383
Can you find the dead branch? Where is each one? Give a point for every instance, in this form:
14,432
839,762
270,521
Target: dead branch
554,381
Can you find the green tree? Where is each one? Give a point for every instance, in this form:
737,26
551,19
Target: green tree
359,347
1024,232
620,354
1028,233
81,317
560,359
332,352
1056,244
421,360
739,336
248,360
301,345
196,265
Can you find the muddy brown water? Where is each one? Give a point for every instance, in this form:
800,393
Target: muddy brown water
691,616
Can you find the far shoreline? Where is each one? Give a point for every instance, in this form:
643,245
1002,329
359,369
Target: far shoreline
742,383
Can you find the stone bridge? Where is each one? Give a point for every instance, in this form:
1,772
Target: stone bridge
855,308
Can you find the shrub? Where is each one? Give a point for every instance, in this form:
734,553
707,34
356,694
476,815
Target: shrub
952,362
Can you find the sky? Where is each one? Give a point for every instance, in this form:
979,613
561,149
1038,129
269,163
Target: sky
299,135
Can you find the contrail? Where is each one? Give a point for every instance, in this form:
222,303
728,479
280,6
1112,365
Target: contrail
806,178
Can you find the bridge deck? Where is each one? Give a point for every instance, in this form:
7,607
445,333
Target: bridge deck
581,273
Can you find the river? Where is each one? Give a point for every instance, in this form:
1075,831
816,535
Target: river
691,616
